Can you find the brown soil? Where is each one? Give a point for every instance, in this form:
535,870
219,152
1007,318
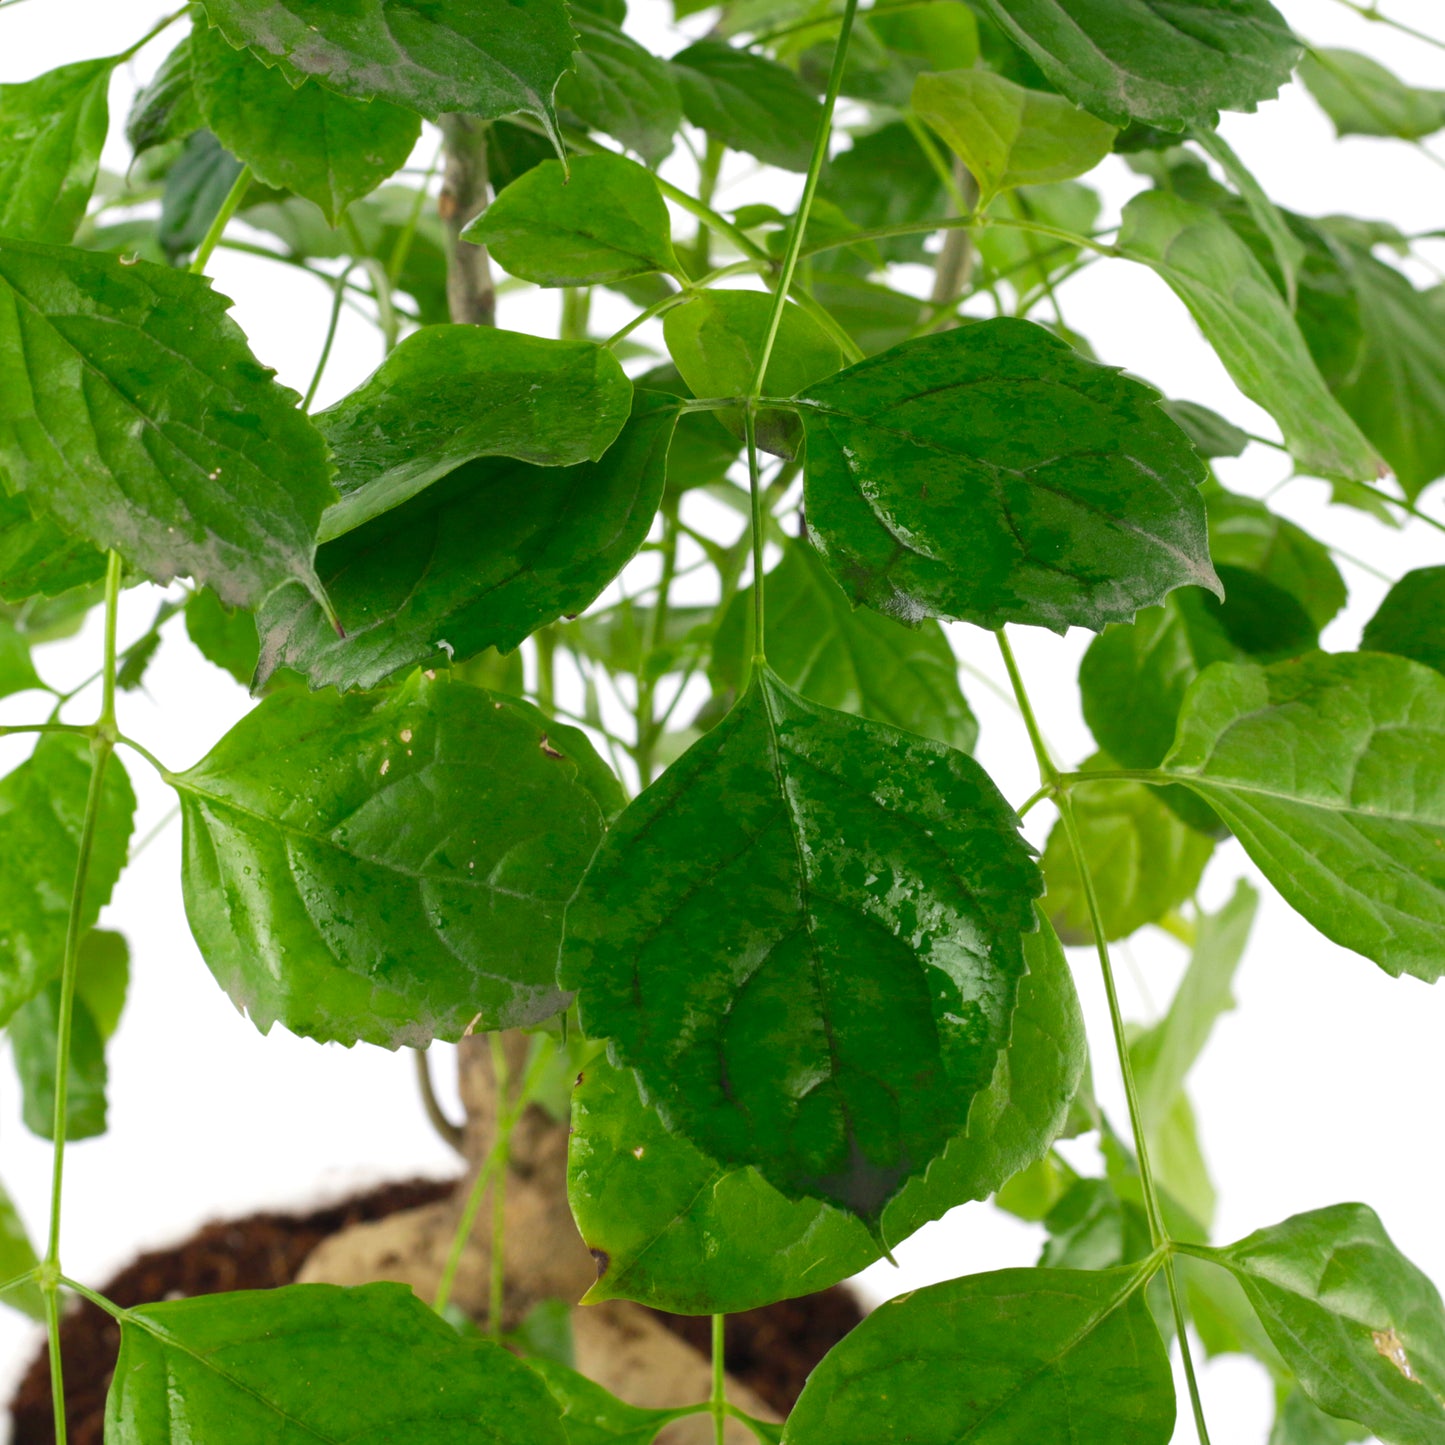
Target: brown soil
769,1349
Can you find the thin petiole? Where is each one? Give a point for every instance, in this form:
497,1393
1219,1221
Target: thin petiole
229,207
337,297
719,1379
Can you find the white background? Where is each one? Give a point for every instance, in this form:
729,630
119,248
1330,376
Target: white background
1323,1086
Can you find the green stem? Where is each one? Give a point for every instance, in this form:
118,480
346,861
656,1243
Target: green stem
719,1379
386,317
338,296
229,207
151,34
497,1283
707,173
53,727
647,726
402,249
546,641
449,1133
1373,12
464,1228
755,497
1048,773
968,223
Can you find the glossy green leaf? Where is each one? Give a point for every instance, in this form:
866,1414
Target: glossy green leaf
315,1364
136,415
33,1033
1362,97
224,636
479,559
17,1255
748,102
164,108
1411,620
1008,136
1326,768
592,1415
1299,1422
391,867
42,806
838,1041
621,89
305,139
52,129
17,672
716,340
1245,319
485,57
1212,434
604,220
1144,861
449,394
672,1229
854,661
197,185
1171,63
36,557
1361,1327
997,1359
993,474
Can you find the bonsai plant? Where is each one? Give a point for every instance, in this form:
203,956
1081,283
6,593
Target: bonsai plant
728,865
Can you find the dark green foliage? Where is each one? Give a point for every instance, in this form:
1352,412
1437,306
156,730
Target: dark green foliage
1411,619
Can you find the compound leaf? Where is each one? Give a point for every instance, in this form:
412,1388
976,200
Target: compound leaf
1169,63
1327,769
305,139
52,129
1361,1327
672,1229
136,415
1008,136
1245,320
602,221
997,1359
748,102
449,394
393,867
479,559
42,807
315,1364
851,660
488,58
995,475
806,938
1410,622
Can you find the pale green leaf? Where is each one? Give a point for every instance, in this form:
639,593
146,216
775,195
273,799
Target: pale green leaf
1362,97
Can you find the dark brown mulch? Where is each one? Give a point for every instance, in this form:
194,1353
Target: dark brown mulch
770,1349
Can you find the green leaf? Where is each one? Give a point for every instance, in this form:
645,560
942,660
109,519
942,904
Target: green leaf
854,661
392,867
602,221
103,977
42,805
1245,319
1410,621
672,1229
17,1255
716,341
224,636
1325,768
1026,260
993,474
52,129
17,672
592,1415
164,108
1212,434
995,1359
485,57
1361,1327
305,139
621,89
883,179
620,637
197,185
479,559
1172,63
1144,861
1299,1422
34,1030
838,1042
137,416
1008,136
37,557
315,1364
748,102
449,394
1361,97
